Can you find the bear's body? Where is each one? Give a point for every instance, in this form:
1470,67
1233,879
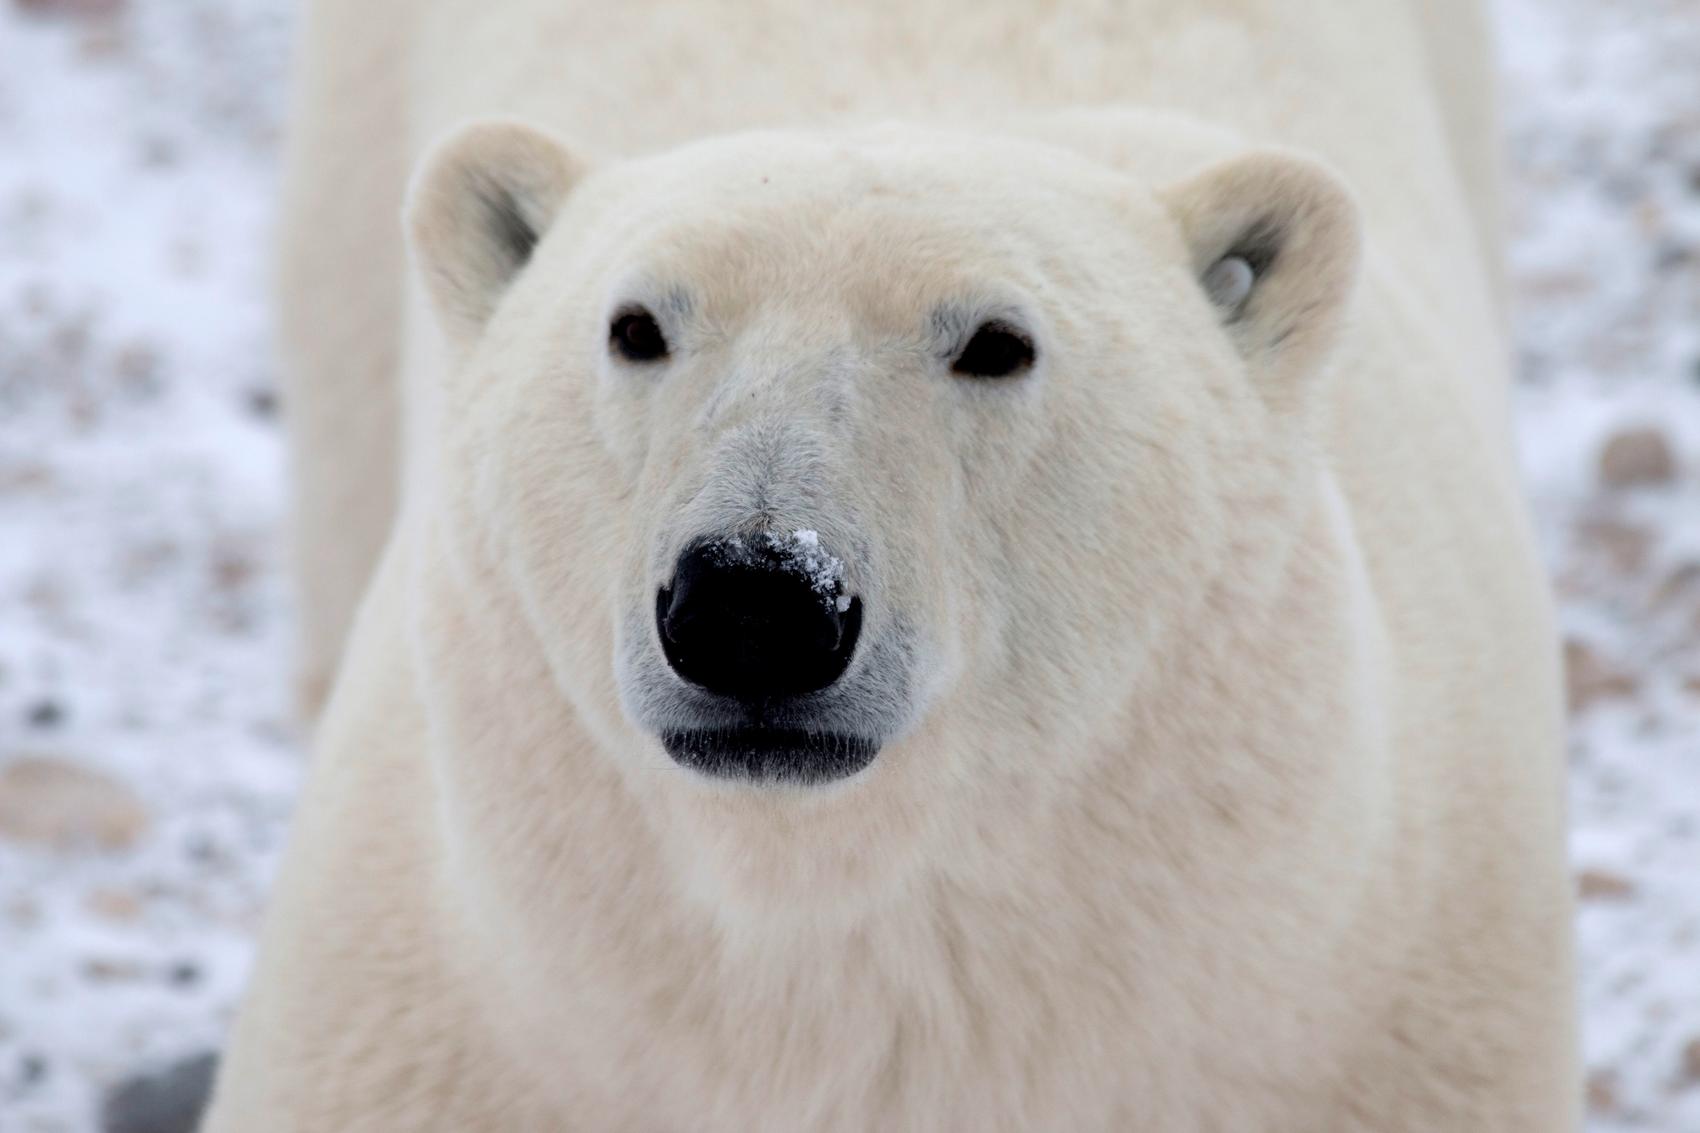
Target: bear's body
1229,794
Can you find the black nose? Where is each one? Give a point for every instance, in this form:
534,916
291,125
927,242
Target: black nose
757,619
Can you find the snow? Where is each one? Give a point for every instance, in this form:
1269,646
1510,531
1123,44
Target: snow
797,552
802,550
144,618
142,615
1604,130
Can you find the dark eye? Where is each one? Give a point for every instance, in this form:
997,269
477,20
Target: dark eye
637,337
997,350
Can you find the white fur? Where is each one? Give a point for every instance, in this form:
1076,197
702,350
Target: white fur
1222,781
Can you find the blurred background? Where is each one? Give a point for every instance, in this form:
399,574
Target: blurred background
147,758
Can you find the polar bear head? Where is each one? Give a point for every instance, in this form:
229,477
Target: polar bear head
860,479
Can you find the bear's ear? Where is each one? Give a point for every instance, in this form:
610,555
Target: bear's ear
1275,244
479,205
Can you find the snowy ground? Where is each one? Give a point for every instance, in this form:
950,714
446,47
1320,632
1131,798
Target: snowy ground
147,764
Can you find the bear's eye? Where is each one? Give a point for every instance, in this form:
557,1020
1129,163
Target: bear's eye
637,337
997,350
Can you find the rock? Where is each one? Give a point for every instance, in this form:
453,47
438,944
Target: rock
75,9
1555,284
1690,1069
1624,546
170,1101
137,365
48,801
102,39
46,714
22,912
107,970
33,1069
1681,585
1589,678
1650,217
262,403
159,152
1603,885
113,905
1637,457
1602,1091
25,476
232,570
1671,255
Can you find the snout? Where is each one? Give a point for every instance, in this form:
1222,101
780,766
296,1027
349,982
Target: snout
759,622
762,623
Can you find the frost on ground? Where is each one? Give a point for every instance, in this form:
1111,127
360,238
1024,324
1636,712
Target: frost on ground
147,766
146,760
1604,124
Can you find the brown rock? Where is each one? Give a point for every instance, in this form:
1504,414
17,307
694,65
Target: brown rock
1603,885
48,801
1589,677
1690,1069
1555,284
113,905
102,39
1680,586
1602,1091
138,366
25,477
1624,546
80,9
232,570
1570,583
1635,457
105,970
23,912
1649,216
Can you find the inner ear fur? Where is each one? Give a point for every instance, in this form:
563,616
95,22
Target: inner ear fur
478,207
1294,223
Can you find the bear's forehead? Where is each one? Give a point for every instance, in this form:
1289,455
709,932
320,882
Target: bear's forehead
869,232
883,265
861,191
884,232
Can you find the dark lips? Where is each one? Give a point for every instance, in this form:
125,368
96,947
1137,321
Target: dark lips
771,755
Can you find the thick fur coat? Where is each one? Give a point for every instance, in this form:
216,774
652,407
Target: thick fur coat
1219,774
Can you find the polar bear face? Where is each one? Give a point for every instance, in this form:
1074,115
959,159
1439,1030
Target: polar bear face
861,477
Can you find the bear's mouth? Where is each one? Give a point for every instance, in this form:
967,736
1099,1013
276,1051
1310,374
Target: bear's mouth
771,755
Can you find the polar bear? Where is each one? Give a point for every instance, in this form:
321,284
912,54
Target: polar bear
956,567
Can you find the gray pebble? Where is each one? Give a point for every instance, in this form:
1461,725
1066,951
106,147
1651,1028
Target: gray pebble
168,1101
